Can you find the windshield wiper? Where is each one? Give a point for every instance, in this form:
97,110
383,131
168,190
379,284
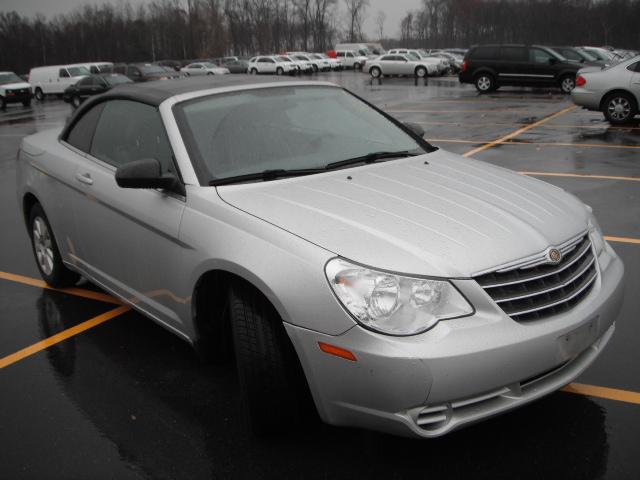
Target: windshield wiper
265,175
370,158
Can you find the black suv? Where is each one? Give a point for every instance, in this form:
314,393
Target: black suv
489,67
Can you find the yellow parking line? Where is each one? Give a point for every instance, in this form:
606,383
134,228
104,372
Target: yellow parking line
78,292
492,110
59,337
603,392
535,144
580,175
635,241
496,124
519,131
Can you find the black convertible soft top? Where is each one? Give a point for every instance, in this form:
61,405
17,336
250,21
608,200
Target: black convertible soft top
156,92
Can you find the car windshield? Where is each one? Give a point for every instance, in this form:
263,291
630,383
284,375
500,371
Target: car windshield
284,59
587,55
302,57
150,69
413,56
104,67
270,129
78,71
9,77
209,65
116,79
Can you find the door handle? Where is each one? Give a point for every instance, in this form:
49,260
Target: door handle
84,178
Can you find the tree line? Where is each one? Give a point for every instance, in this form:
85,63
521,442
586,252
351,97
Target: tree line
180,29
461,23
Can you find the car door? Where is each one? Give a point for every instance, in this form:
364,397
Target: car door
128,238
512,64
542,67
267,65
634,83
197,69
64,80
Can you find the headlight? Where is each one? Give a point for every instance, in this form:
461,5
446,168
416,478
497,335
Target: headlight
595,232
394,304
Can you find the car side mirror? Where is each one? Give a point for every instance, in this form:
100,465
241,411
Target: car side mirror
146,173
415,128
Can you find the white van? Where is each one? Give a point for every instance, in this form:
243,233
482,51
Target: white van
54,79
96,67
351,59
13,90
360,48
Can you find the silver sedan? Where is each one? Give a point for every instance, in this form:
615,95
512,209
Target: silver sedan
615,91
346,263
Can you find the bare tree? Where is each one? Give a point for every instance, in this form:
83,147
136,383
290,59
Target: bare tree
356,10
381,17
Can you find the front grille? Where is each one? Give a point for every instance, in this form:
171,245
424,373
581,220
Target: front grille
542,290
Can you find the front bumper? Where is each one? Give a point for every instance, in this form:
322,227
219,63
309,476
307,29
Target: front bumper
18,97
462,370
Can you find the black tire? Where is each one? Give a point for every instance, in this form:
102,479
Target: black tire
279,71
567,83
619,108
315,68
39,94
375,72
26,103
357,66
58,276
253,71
76,101
210,73
421,72
273,387
3,103
484,82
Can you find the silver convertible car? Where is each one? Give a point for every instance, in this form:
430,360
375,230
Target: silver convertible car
348,265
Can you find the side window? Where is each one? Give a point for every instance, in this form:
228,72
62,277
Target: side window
570,54
339,54
62,73
634,67
485,53
94,69
86,81
513,54
129,131
82,132
540,56
350,55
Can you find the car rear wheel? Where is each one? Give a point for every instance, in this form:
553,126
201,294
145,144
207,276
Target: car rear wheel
76,101
273,387
567,83
484,83
619,108
45,250
375,72
39,94
421,72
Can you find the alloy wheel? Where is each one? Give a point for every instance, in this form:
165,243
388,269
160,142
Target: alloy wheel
484,83
43,245
619,108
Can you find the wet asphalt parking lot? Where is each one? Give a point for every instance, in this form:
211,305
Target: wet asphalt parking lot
89,390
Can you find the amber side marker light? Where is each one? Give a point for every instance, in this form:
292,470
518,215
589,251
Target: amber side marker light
337,351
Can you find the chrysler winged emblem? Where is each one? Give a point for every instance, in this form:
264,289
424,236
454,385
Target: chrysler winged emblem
554,256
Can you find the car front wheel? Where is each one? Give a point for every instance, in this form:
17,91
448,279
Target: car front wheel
421,72
273,387
375,72
484,83
45,250
76,101
619,108
253,71
279,71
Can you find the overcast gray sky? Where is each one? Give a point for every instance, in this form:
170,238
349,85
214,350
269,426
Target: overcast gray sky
394,9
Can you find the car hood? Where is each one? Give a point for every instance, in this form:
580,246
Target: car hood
15,86
450,217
